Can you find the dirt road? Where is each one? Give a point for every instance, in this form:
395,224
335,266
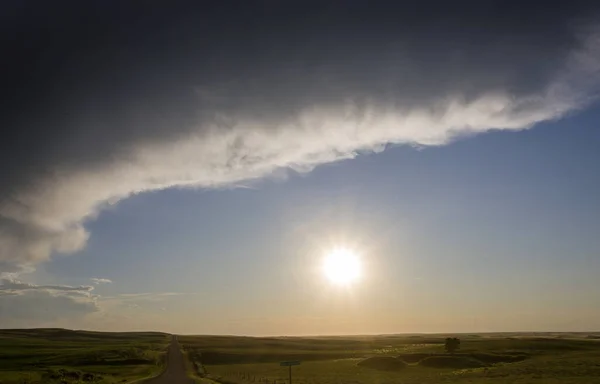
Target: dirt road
175,372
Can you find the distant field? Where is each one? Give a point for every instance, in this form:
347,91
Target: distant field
65,356
486,358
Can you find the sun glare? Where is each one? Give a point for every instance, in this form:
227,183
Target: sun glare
342,266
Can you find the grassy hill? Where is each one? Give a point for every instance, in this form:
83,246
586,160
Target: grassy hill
572,358
67,356
55,355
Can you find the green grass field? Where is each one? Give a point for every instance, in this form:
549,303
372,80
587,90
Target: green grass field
60,355
499,358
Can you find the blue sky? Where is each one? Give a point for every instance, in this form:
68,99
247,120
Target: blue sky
192,168
503,220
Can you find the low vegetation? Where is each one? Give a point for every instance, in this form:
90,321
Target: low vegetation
452,361
412,359
487,358
61,356
383,363
65,356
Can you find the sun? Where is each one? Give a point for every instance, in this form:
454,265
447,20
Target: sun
342,266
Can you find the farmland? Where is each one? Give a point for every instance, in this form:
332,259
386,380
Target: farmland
65,356
487,358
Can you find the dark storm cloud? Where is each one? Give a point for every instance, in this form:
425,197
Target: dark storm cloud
108,99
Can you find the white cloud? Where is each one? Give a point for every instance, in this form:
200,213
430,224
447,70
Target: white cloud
39,305
97,281
11,271
314,106
15,285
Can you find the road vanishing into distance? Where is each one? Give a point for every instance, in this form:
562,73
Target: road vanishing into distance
175,372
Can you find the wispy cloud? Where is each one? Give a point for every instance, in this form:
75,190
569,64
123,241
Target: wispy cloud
150,296
97,281
15,285
218,111
11,271
41,303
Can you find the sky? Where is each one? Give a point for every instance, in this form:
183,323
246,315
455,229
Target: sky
189,168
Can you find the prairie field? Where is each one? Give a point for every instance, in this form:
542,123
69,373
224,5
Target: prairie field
487,358
66,356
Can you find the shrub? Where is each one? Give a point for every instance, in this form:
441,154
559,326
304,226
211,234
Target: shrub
65,376
452,344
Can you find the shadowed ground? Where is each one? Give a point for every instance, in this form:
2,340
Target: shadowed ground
45,355
175,372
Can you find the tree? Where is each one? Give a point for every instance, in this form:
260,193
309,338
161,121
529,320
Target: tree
452,344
